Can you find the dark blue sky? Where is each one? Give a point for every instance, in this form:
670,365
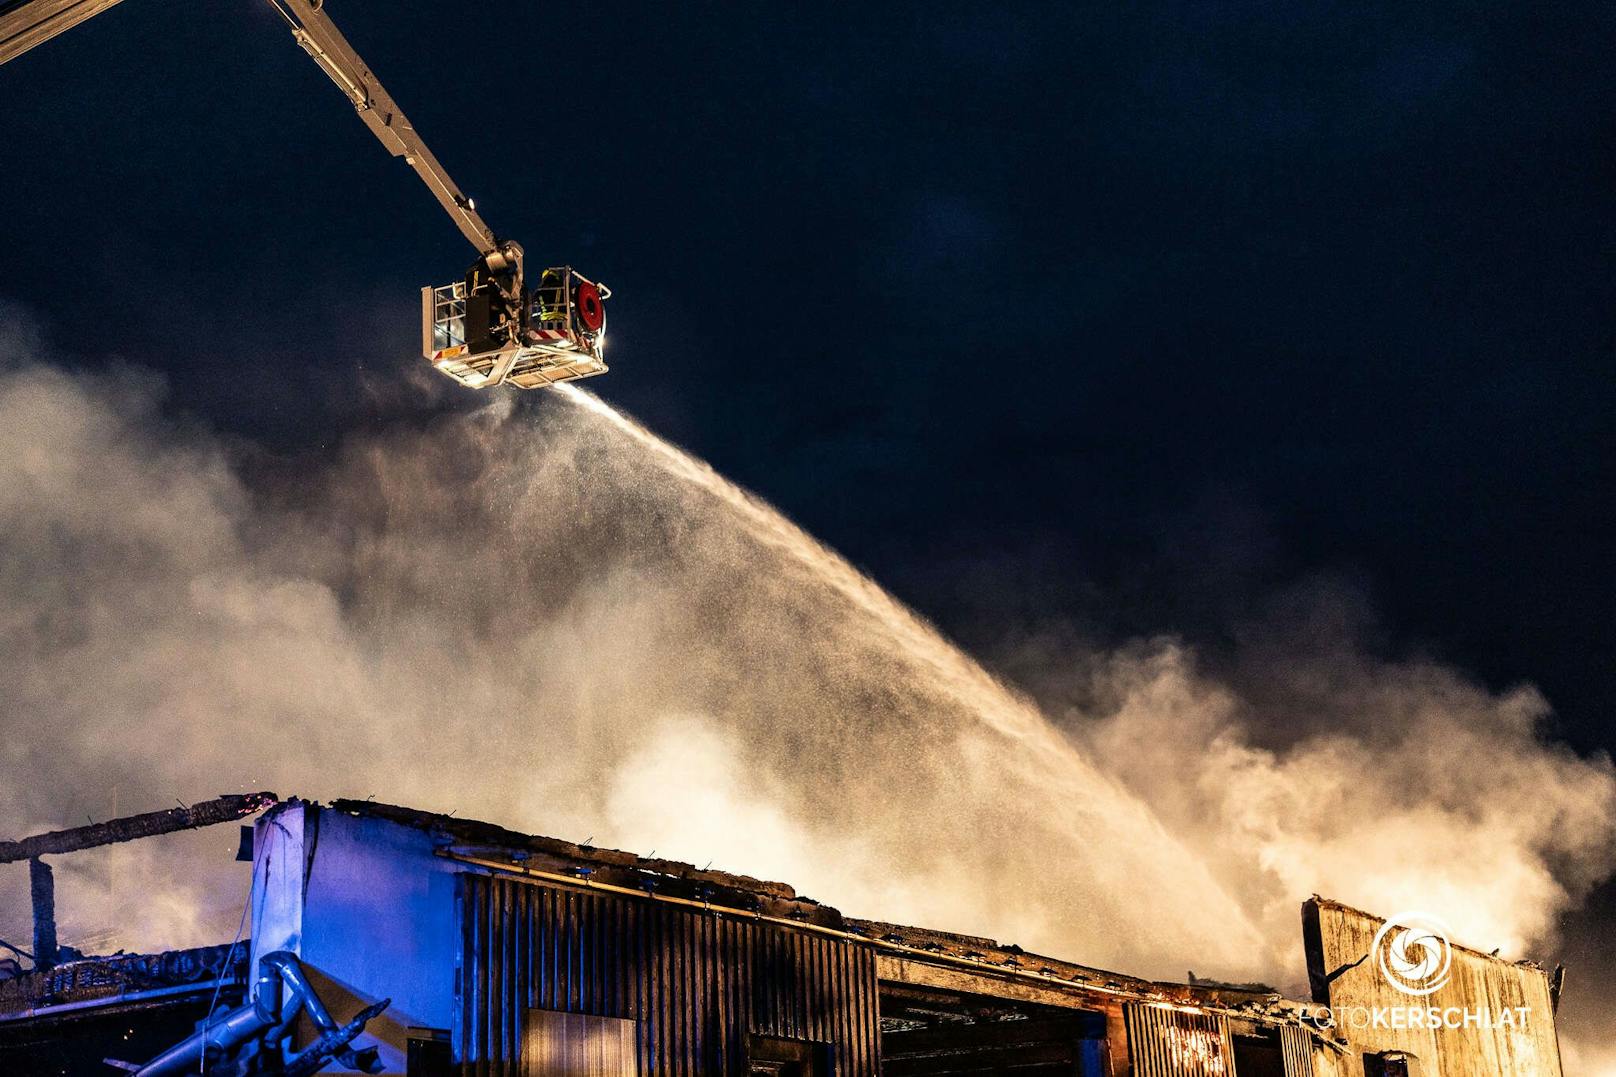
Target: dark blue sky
1131,315
1036,311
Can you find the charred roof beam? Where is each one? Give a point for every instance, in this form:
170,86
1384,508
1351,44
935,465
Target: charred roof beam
224,809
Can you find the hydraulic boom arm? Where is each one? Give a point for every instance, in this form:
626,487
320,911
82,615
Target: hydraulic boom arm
27,23
324,43
488,329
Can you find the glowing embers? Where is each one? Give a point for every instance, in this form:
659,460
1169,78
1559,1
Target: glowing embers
1197,1050
1178,1041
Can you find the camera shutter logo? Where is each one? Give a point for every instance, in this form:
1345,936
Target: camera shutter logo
1413,953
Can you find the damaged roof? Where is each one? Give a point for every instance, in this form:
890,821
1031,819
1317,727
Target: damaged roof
510,850
470,839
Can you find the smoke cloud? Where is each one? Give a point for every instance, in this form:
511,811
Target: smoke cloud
545,617
1389,785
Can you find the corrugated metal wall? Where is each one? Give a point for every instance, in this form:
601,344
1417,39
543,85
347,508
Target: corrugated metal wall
1297,1046
580,1045
1164,1042
696,983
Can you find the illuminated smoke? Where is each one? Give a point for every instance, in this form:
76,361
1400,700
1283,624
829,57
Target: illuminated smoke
560,624
549,618
1588,1058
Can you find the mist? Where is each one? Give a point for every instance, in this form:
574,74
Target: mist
544,616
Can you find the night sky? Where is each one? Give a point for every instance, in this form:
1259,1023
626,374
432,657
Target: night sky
1129,319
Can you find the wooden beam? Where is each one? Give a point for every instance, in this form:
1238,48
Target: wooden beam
1116,1041
42,891
207,813
892,968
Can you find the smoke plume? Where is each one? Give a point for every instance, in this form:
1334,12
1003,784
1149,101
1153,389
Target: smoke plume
546,617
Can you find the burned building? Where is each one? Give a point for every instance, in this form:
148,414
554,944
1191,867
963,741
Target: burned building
388,940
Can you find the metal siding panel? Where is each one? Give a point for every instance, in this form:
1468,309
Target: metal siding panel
712,1005
840,1027
486,934
1165,1042
868,1016
797,952
762,997
460,1033
1297,1047
708,997
858,1035
824,1005
696,1000
825,996
588,960
679,991
637,919
797,949
543,944
851,1017
480,981
768,977
723,1001
764,983
780,974
569,949
748,962
529,949
674,989
602,929
686,999
470,1009
695,983
556,950
578,1045
741,1022
510,1023
784,975
495,950
607,926
813,1012
612,927
465,904
661,995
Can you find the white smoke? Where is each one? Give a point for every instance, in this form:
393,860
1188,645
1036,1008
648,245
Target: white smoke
1387,785
512,618
1580,1058
547,618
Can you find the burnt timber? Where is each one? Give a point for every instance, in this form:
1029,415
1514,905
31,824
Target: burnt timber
134,827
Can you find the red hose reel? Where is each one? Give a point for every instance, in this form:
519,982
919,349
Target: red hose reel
586,301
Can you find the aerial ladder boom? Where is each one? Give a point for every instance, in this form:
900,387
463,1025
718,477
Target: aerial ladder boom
26,23
486,330
326,46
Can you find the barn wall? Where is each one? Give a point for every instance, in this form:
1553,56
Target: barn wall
696,983
1165,1042
369,911
1337,936
1297,1046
